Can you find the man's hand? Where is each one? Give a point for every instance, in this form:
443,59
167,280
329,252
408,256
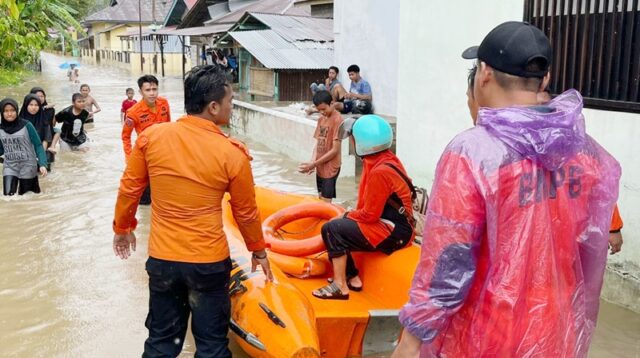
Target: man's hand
408,347
306,168
263,261
43,172
123,244
350,95
615,242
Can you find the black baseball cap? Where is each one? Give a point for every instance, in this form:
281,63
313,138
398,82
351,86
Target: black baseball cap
511,46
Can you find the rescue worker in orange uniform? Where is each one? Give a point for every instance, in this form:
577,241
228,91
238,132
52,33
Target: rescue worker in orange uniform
191,164
515,238
151,110
615,232
383,219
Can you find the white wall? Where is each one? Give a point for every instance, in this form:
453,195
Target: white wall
366,34
432,105
432,78
618,133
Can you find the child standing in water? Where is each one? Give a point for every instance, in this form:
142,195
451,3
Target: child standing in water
89,102
73,74
23,152
126,104
73,119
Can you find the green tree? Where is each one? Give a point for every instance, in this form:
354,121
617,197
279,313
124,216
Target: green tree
25,24
84,7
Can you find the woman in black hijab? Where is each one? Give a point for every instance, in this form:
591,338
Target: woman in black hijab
32,111
10,126
24,154
48,110
49,114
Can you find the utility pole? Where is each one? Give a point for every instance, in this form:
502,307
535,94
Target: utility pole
155,52
140,38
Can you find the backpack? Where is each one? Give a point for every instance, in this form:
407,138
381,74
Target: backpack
419,200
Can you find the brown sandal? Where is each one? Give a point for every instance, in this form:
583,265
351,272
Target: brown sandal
330,292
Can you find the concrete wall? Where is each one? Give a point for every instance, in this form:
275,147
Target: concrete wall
619,132
366,33
432,77
284,133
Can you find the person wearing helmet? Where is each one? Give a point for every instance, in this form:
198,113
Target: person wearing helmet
383,218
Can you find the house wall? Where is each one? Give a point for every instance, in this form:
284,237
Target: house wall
172,66
117,44
618,133
366,33
293,85
432,105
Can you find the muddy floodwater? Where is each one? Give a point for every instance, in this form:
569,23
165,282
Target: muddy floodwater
62,291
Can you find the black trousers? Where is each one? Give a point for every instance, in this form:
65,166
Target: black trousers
145,199
178,289
341,237
12,184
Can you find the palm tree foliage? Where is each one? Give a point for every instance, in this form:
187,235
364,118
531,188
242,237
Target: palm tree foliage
24,28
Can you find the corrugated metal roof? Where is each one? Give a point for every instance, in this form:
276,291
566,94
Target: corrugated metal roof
298,28
195,31
275,52
127,11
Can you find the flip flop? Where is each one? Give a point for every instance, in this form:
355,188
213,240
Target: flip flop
330,292
351,287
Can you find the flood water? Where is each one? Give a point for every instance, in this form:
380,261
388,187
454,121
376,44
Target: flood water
62,291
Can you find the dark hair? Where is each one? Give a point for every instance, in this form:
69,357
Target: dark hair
85,85
322,97
147,79
76,96
471,78
353,68
203,85
35,90
128,89
335,69
30,98
530,84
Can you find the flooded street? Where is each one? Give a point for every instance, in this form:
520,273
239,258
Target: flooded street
63,293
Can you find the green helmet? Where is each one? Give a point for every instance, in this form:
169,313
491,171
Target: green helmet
371,135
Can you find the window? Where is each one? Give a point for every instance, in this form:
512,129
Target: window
596,47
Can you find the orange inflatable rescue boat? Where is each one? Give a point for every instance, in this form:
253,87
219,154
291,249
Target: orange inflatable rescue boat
282,318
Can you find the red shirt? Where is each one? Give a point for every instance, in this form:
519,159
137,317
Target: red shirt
126,104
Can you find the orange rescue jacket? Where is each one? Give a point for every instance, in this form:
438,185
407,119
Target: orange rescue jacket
141,117
190,165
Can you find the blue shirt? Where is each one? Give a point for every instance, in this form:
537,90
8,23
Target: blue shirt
360,87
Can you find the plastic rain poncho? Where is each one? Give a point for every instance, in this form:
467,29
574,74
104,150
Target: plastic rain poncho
515,241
